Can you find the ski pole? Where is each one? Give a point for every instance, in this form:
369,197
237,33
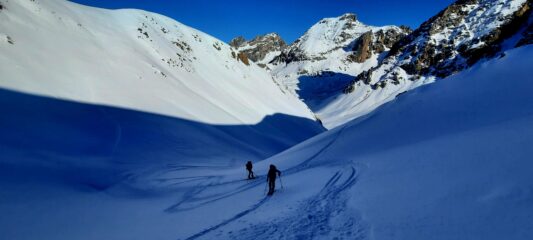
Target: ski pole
280,181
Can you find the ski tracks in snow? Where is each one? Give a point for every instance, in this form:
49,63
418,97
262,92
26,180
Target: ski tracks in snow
325,216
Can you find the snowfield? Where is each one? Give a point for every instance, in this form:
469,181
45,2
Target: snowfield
92,147
133,59
449,160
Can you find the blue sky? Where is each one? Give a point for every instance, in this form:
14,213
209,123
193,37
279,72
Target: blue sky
290,18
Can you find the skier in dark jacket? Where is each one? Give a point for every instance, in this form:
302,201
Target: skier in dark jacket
249,168
271,178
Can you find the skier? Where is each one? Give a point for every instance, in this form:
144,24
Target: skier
249,168
271,178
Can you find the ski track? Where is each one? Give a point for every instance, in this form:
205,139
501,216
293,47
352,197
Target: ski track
314,218
191,201
239,215
318,211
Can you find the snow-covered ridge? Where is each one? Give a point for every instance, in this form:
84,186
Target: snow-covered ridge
332,33
133,59
447,43
322,62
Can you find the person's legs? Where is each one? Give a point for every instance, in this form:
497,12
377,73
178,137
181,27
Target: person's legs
249,174
272,185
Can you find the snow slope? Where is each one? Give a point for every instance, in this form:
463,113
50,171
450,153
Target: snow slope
132,59
97,105
450,160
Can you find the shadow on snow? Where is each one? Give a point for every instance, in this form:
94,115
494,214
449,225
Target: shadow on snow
96,146
316,91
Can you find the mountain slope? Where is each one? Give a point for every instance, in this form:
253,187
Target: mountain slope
322,62
343,69
450,160
98,105
454,39
132,59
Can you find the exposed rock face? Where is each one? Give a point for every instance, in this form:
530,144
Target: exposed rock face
385,39
237,42
453,40
261,49
362,49
458,37
243,58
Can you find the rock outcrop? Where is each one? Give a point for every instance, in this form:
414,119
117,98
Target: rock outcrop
262,49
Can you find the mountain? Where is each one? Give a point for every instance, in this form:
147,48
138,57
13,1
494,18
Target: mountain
322,62
449,160
261,50
133,59
338,36
451,41
343,69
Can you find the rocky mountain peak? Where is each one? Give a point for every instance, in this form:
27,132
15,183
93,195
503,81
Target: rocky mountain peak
348,16
261,49
237,42
343,33
451,41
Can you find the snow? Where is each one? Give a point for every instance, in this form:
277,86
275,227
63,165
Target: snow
136,60
106,113
448,160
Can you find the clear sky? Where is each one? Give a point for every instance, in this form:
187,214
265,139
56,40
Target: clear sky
226,19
